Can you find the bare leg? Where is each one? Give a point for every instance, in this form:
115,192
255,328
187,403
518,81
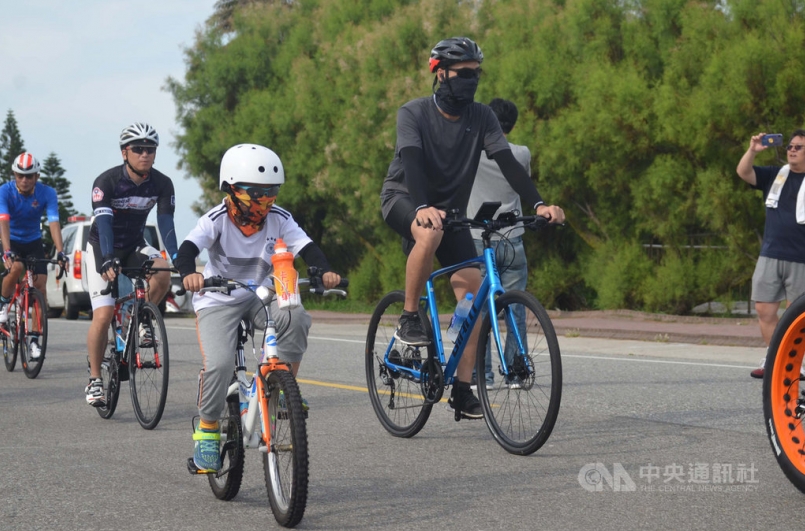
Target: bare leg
420,264
767,317
97,338
159,283
467,281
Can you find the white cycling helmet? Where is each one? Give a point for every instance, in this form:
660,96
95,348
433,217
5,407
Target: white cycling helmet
140,133
250,163
25,164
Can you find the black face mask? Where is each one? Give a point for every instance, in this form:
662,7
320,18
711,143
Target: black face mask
456,94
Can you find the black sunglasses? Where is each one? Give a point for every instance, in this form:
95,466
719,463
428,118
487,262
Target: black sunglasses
25,176
258,192
139,150
468,73
795,147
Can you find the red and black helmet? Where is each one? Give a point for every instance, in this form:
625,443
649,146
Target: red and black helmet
454,50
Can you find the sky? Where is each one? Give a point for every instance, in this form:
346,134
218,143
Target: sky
76,73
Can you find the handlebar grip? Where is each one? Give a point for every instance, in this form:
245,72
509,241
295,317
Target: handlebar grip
214,282
107,290
179,292
344,283
62,272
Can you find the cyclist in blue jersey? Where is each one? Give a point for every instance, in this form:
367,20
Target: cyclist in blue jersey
22,202
122,198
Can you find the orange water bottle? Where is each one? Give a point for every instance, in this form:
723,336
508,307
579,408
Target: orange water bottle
285,276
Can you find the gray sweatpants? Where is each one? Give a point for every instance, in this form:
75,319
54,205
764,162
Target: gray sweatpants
217,329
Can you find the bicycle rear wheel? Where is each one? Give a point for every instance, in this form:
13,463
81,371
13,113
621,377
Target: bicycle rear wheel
396,397
35,335
10,342
286,461
521,412
148,366
226,483
784,393
110,376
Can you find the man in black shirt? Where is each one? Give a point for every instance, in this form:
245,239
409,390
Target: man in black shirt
439,144
122,197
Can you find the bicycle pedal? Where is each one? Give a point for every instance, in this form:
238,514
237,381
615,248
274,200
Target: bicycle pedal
196,471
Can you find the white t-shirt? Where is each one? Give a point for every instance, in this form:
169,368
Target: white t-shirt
239,257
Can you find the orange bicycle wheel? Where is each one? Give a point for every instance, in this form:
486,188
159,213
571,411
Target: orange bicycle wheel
784,393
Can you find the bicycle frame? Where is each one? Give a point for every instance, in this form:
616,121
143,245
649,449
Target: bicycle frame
254,389
20,298
490,288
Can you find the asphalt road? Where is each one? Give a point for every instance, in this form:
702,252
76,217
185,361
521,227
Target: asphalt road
671,436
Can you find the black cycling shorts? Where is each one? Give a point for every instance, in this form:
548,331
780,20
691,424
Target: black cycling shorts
34,249
131,257
399,212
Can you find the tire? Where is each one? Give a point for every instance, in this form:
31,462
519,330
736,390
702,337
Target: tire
783,388
148,368
396,398
10,342
36,315
70,309
521,419
110,376
54,313
286,461
226,483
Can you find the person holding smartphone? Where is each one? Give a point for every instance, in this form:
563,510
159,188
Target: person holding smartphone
780,270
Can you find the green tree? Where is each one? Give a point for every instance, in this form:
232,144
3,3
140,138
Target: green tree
636,113
52,174
11,145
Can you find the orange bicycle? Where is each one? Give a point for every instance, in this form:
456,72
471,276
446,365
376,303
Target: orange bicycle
26,331
264,411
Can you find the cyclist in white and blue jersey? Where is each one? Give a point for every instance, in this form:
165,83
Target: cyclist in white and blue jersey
23,200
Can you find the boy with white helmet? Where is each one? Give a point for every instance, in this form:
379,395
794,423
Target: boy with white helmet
239,235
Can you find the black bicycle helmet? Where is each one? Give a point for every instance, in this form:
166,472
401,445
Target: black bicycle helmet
454,50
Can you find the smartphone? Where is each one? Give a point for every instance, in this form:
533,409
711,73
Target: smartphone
772,140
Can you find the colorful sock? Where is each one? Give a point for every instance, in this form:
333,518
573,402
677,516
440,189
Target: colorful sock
208,426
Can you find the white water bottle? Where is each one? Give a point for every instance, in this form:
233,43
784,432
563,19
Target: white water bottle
460,315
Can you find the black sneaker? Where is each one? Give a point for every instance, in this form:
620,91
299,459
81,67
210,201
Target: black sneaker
411,331
462,399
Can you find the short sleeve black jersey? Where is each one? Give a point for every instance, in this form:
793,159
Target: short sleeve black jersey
115,194
451,149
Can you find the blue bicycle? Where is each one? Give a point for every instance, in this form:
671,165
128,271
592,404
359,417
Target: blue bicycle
405,381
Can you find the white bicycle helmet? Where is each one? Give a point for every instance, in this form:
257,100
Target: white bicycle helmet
25,164
250,163
140,133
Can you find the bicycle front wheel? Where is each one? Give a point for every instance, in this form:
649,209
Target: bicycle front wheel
110,376
9,338
226,483
521,411
396,397
784,393
34,342
286,461
148,366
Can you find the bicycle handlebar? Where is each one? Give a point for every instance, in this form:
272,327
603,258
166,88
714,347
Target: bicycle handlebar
30,262
454,221
223,285
140,272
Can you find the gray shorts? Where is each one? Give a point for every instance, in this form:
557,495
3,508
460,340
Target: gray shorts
217,328
777,280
